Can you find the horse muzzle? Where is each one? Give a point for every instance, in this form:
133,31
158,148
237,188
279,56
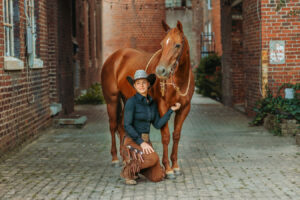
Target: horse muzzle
162,73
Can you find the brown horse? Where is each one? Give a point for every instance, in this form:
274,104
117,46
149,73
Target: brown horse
175,83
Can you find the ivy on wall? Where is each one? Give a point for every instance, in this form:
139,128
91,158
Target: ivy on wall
282,3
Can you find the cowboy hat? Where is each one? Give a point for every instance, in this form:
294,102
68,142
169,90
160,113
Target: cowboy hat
139,74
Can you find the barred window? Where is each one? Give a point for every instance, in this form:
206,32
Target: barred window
8,27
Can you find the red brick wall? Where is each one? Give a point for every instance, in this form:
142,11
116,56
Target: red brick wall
281,26
238,79
20,116
197,7
274,26
252,54
216,25
226,31
88,37
25,95
237,68
52,51
201,16
135,24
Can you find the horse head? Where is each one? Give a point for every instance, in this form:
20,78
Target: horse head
173,46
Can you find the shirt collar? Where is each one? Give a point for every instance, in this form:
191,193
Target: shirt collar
143,99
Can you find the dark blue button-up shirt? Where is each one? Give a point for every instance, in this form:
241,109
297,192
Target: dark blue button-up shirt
139,114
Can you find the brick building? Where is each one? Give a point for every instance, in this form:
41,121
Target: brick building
87,40
251,32
51,50
207,27
244,33
233,78
47,50
135,24
29,80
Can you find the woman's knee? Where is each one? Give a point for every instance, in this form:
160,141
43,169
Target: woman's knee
157,174
154,157
150,160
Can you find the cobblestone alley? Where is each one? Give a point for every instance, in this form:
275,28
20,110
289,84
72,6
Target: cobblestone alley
220,155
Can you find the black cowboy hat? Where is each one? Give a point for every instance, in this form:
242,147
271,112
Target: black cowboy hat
139,74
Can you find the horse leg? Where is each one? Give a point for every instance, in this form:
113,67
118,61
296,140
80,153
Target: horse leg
112,113
121,131
165,137
178,122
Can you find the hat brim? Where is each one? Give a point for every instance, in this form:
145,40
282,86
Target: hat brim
151,79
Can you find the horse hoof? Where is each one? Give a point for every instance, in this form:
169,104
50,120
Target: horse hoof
170,175
177,171
115,163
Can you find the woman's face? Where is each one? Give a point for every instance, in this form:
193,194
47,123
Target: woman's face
141,86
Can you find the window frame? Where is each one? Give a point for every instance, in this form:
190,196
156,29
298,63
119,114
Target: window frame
178,4
30,18
209,4
10,61
8,14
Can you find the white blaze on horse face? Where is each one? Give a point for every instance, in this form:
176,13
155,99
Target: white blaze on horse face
168,41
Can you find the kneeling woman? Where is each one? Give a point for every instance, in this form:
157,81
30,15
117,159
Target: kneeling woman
140,112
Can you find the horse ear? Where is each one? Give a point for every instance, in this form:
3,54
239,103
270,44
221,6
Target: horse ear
179,26
165,25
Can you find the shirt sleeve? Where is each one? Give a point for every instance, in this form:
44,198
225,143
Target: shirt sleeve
128,121
158,121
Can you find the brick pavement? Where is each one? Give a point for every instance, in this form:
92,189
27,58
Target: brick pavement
221,158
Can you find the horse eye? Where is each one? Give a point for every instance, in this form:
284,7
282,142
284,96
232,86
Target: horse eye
177,45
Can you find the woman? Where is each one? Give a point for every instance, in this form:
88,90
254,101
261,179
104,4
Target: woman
140,112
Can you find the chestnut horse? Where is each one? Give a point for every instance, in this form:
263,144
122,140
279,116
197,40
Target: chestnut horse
175,83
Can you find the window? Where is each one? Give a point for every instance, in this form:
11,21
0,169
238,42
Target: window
209,4
11,44
207,40
177,3
8,27
29,6
34,62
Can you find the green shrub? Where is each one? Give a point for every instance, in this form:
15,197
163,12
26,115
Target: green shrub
93,96
278,106
209,77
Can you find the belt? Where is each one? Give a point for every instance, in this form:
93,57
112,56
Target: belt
145,137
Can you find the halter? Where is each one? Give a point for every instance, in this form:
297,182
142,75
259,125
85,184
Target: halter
163,83
178,58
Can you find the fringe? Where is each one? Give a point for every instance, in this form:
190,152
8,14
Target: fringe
133,161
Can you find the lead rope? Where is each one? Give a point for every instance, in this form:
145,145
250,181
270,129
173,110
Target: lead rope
151,59
175,86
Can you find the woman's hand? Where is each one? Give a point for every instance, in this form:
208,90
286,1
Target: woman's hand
176,107
147,148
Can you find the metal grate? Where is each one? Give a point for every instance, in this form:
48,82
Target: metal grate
207,43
